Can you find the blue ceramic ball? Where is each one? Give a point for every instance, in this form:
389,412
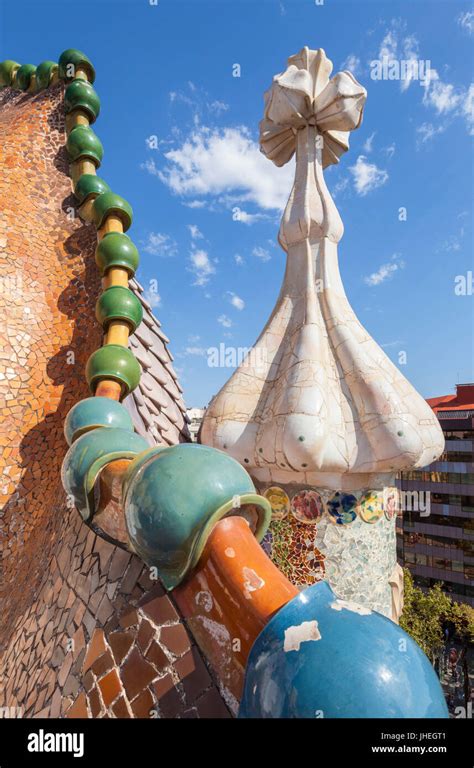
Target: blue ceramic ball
321,657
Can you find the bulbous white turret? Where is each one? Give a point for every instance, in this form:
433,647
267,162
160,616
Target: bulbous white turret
316,401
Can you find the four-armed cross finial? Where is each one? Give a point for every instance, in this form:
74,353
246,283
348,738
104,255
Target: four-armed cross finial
308,113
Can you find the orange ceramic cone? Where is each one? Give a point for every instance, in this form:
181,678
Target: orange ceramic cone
229,598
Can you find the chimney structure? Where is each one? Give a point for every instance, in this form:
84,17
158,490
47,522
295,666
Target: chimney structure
317,413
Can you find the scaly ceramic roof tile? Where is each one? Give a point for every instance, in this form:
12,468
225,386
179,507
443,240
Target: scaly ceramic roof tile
156,405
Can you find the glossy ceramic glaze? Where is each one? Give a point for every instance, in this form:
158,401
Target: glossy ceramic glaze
116,250
94,412
24,75
82,95
119,303
116,363
8,69
89,185
83,144
174,496
324,657
109,204
71,60
44,74
227,600
89,454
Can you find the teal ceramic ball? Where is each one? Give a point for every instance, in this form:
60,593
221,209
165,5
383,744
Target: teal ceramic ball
90,453
94,412
174,496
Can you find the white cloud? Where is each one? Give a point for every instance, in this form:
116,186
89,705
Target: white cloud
235,300
179,96
198,101
339,186
216,161
427,131
389,151
367,176
196,351
201,266
261,253
153,298
159,244
225,321
248,218
454,242
150,166
396,45
368,143
153,142
389,45
388,344
442,96
468,108
239,260
195,232
195,203
411,54
352,63
385,271
193,338
451,245
218,106
447,99
466,21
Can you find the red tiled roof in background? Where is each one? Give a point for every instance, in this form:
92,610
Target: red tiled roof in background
463,399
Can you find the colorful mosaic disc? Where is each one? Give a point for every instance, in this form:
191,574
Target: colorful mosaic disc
370,506
307,507
279,502
391,502
342,508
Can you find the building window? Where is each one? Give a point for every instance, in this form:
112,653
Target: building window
422,559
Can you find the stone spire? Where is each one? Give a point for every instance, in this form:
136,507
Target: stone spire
317,413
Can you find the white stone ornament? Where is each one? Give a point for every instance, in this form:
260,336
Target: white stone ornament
301,96
317,402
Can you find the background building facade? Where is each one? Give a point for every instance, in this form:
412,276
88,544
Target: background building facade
437,542
196,417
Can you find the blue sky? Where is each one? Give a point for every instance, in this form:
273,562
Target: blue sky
180,134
